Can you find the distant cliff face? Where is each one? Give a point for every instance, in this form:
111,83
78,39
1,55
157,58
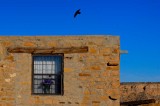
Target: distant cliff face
140,91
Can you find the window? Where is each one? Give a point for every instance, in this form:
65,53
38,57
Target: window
47,75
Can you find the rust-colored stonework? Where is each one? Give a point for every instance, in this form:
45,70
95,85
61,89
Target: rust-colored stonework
138,92
90,70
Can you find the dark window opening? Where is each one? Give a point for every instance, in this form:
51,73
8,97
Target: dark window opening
47,74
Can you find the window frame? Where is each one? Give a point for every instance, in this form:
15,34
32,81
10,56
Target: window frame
62,74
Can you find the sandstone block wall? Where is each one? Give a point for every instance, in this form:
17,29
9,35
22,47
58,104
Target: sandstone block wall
89,78
140,91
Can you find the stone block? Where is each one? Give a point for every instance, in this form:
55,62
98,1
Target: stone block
86,92
104,98
84,74
115,84
106,50
68,69
115,73
29,44
9,58
10,104
48,101
92,50
95,68
38,101
96,102
51,44
116,51
105,73
7,43
112,68
100,86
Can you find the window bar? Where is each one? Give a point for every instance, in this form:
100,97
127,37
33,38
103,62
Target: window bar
50,66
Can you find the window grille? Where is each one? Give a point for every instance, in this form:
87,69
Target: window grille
47,74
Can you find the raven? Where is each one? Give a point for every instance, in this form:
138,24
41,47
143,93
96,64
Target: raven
76,13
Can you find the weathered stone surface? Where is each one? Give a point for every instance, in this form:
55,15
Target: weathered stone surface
46,50
68,69
92,50
88,81
84,74
29,44
131,92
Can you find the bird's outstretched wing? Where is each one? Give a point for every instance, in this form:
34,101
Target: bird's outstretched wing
112,98
77,12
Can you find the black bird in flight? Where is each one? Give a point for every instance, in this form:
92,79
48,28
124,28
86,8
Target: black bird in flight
76,13
112,98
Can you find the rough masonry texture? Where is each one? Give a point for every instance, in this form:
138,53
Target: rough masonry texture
133,92
90,77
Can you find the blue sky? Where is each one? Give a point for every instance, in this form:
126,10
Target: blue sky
137,22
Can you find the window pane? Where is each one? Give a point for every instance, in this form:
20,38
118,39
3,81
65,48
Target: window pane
47,74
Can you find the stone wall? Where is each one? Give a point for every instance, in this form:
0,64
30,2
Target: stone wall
140,91
89,78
